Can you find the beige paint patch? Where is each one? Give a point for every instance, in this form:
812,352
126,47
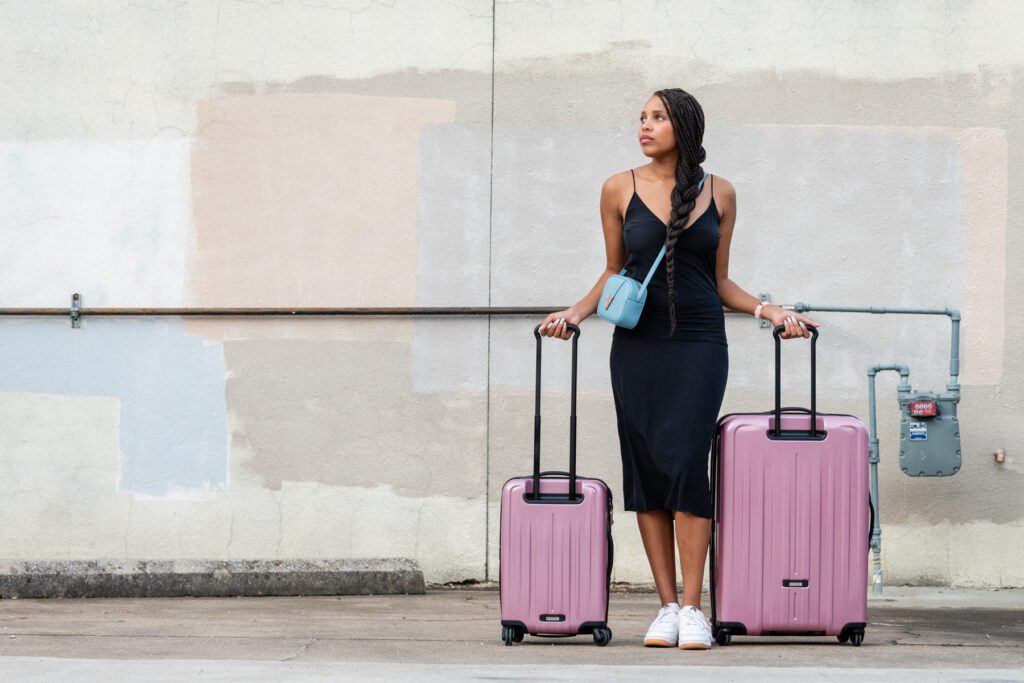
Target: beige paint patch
984,165
307,200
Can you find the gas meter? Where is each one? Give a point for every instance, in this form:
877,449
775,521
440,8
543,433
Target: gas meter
929,434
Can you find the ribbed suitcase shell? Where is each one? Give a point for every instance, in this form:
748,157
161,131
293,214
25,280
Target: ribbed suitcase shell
791,510
555,557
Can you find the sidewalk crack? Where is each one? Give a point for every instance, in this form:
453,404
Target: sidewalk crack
304,650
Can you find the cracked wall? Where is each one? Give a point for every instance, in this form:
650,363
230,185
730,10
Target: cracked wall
399,154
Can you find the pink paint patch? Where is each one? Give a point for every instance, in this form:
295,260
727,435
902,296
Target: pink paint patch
984,165
307,200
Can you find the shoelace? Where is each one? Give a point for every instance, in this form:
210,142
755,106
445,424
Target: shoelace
694,617
666,616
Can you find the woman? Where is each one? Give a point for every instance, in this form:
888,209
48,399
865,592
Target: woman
669,372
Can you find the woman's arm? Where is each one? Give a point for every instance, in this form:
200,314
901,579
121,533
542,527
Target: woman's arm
732,295
614,247
615,255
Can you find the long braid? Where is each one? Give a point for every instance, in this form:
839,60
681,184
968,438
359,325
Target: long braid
687,119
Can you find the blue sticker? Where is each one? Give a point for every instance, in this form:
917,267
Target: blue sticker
918,431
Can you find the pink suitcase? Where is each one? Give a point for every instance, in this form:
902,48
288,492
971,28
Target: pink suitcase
789,547
556,550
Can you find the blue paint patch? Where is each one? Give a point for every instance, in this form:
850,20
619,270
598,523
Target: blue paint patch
170,384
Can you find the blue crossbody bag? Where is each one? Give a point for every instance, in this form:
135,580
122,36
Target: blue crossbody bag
622,299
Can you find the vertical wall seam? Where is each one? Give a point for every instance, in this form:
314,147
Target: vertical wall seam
490,243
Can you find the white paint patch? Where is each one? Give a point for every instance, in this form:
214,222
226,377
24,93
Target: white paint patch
310,520
844,40
208,491
58,502
977,554
58,470
91,71
108,219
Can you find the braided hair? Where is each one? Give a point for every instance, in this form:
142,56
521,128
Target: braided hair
687,119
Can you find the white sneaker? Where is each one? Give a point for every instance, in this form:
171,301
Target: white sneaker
694,630
664,630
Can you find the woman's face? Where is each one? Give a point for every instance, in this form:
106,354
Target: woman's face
655,133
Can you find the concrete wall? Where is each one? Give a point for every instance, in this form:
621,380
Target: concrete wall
451,154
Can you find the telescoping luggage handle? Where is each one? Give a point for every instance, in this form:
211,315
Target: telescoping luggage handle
571,493
778,432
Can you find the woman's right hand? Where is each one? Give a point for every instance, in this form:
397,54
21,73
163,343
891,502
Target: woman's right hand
554,324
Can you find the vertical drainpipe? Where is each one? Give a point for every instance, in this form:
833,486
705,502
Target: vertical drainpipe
953,388
876,532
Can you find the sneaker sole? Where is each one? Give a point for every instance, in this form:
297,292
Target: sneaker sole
652,642
694,646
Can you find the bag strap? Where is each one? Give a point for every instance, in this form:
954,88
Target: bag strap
661,254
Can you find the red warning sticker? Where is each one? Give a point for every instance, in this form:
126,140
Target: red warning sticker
923,409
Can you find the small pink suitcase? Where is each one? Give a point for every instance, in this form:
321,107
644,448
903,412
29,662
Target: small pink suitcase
556,550
789,546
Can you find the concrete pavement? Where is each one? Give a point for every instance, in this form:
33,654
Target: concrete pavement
927,634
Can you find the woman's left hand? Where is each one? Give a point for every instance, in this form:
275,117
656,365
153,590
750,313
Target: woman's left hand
796,324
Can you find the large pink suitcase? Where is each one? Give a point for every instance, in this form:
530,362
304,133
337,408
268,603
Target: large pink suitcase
556,549
790,539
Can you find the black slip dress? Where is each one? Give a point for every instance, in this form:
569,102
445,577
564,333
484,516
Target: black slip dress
668,390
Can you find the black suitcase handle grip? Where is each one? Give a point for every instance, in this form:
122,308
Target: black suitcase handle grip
571,494
778,431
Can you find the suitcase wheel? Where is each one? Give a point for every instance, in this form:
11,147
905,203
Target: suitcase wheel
602,635
511,634
723,637
853,637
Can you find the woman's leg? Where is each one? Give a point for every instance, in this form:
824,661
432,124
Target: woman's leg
693,534
656,532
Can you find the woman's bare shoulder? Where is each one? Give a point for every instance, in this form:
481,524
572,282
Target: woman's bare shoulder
615,194
724,189
724,194
617,182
